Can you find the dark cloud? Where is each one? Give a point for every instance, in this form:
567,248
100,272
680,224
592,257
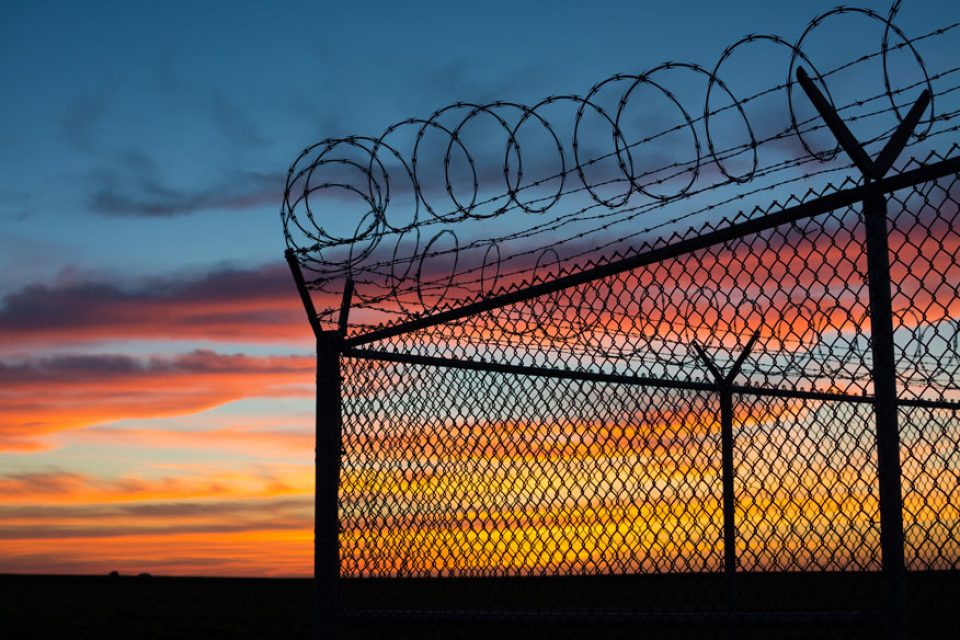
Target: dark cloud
79,124
224,303
149,197
462,80
178,509
54,481
56,522
238,128
31,532
102,367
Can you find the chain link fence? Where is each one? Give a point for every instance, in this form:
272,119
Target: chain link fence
548,392
578,430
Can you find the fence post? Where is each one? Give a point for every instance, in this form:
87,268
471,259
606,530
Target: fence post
725,381
729,499
885,409
326,519
327,448
881,339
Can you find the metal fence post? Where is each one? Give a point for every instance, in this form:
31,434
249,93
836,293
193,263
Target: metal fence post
328,439
881,338
729,499
885,408
326,556
725,381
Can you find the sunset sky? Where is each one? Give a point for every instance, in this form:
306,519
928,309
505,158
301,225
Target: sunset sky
156,389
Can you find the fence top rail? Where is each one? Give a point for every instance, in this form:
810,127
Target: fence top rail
812,208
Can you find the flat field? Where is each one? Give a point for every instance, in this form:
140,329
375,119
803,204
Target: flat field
129,608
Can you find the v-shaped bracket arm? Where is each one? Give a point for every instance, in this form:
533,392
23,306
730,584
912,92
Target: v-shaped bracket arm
345,307
871,168
303,291
312,316
737,365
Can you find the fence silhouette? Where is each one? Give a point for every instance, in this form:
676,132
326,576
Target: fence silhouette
771,395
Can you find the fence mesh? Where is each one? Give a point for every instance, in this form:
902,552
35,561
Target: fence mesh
579,432
806,486
474,473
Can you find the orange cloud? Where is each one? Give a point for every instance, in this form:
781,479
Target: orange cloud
264,438
232,521
60,487
40,396
262,552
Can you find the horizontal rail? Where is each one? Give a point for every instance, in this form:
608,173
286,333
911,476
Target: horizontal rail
616,616
527,370
617,378
798,212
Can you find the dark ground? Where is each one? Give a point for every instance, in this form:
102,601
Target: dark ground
105,608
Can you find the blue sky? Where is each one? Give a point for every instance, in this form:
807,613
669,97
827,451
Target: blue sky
151,136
